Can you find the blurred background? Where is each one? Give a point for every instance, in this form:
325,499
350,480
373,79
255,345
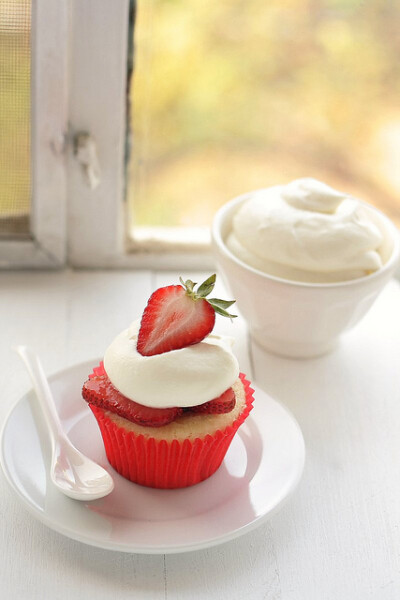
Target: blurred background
231,96
236,95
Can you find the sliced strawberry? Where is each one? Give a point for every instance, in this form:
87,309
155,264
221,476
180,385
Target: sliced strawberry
223,404
100,391
172,320
176,316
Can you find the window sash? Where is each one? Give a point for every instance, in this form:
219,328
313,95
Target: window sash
98,232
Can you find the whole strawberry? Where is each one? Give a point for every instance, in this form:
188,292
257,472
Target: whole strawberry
177,316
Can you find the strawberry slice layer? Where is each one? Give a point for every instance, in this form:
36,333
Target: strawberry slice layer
223,404
100,391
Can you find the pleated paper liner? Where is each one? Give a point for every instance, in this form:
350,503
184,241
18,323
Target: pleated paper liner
162,464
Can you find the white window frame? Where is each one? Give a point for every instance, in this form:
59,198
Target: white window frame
46,245
98,233
79,85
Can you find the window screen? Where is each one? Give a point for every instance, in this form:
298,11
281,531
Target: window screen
235,95
15,117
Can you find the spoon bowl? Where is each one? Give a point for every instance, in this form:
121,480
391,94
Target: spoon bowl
76,475
73,473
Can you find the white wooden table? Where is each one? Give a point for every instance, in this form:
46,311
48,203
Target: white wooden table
337,538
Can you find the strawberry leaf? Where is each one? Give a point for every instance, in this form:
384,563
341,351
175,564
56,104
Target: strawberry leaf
219,308
221,303
222,312
206,287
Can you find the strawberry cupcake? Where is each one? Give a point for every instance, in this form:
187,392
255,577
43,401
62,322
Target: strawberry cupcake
168,397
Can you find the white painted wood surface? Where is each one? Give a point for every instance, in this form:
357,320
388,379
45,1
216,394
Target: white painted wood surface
338,537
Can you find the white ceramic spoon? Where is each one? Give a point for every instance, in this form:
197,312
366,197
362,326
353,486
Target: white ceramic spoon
74,474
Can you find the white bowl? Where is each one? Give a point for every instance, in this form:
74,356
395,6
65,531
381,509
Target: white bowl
293,318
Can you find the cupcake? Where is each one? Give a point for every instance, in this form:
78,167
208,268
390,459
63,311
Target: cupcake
168,397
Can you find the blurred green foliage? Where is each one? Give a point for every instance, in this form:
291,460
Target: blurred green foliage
235,95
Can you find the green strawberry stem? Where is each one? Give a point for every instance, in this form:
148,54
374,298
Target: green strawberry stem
203,291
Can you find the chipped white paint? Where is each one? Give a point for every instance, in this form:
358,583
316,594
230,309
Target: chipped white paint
85,151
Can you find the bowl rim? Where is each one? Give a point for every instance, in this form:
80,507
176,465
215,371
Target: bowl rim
390,265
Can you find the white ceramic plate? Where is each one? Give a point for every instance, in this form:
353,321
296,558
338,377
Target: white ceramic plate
262,467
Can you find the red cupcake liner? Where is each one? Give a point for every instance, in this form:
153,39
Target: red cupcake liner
162,464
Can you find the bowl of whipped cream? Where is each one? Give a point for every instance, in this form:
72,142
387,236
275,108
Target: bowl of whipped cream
304,261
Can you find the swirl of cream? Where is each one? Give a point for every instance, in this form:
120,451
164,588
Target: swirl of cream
307,231
186,377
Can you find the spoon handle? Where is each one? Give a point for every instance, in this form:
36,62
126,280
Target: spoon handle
43,392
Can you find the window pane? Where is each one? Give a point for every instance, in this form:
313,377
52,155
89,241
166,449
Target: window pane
231,96
15,69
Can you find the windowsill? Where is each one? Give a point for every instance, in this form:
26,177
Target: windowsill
169,239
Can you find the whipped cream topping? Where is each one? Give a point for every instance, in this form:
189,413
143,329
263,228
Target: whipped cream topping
307,231
186,377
